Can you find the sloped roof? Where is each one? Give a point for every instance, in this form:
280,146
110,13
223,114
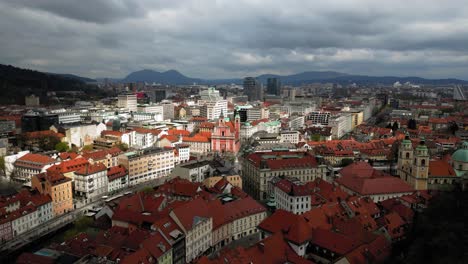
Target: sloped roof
441,168
361,178
191,213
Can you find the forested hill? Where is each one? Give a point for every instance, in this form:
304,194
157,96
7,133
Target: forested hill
15,83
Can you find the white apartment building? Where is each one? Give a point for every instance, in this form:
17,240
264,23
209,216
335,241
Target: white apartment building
69,117
151,108
147,164
117,178
79,134
259,168
292,196
168,110
24,217
289,136
194,171
144,138
10,162
241,219
197,226
319,117
272,127
127,101
257,113
184,152
296,122
341,125
29,165
91,181
212,104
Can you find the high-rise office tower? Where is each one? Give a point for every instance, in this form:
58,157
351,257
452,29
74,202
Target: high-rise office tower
127,101
458,93
274,86
253,89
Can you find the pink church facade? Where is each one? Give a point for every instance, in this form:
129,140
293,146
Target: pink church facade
225,136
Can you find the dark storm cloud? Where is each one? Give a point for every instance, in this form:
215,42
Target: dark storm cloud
217,39
95,11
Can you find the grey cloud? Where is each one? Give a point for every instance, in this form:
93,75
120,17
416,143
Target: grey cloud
95,11
218,39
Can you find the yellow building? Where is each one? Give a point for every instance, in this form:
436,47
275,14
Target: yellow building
58,187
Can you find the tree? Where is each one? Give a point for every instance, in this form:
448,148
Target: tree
412,124
2,164
87,147
147,189
453,127
315,137
346,162
122,146
61,147
439,234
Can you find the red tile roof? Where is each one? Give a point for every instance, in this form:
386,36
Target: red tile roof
188,214
273,249
30,258
35,161
42,134
91,169
116,172
111,133
69,165
177,132
282,160
68,155
361,178
171,138
292,188
101,154
54,177
333,241
196,138
179,187
441,168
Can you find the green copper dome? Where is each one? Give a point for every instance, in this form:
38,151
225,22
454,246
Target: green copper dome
461,155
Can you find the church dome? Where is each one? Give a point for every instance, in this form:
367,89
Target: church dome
461,155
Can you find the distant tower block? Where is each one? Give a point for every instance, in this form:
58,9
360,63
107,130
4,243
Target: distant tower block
459,93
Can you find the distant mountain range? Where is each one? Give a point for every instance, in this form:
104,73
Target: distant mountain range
174,77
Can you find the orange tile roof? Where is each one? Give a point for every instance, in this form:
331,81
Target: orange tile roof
111,133
196,138
91,169
177,132
116,172
361,178
34,161
69,165
101,154
441,168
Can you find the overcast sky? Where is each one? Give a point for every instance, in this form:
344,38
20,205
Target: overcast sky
235,38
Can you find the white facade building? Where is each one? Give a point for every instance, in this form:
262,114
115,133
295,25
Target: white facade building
319,118
69,117
289,137
91,181
212,104
127,101
292,196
